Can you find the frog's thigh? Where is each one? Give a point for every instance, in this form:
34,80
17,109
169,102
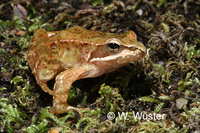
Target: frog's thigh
44,74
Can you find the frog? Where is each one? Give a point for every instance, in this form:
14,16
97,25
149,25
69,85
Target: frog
77,53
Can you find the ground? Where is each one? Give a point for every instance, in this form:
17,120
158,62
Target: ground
159,93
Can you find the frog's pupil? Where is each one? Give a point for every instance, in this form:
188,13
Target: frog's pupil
113,45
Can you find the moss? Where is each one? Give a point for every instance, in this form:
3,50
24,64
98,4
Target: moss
169,71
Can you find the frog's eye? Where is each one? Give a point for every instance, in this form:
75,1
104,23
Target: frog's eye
113,45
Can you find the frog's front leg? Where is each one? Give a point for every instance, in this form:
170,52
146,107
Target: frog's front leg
62,86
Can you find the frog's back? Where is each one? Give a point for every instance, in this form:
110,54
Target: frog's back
84,35
75,45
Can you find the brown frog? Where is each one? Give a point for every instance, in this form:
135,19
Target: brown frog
78,53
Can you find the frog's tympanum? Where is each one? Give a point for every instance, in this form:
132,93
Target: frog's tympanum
77,53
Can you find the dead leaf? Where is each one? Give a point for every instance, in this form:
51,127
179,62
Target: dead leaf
181,102
17,31
20,11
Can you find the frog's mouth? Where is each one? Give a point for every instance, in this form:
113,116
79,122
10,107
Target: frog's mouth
124,56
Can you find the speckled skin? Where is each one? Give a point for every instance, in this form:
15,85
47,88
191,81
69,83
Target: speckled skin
77,53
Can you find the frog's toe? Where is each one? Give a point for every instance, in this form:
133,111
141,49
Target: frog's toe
65,108
52,110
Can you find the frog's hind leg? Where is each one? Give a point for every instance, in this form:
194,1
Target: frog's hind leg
43,65
49,70
45,88
62,87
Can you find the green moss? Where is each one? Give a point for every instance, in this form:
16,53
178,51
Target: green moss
4,25
112,98
10,114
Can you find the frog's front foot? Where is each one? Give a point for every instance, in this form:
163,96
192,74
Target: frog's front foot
64,108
